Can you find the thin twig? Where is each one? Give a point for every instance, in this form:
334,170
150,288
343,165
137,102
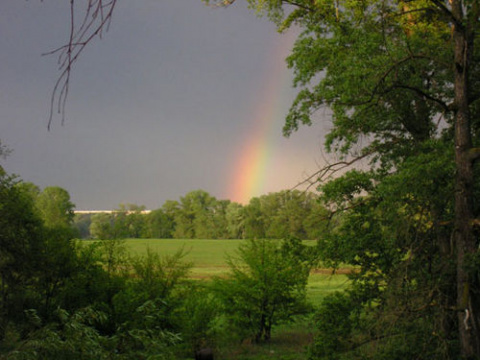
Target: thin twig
97,18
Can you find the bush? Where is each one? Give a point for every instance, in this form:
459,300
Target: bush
266,286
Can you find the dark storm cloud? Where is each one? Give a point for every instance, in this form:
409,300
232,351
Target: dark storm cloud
155,108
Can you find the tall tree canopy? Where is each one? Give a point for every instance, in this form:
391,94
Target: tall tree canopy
55,207
401,79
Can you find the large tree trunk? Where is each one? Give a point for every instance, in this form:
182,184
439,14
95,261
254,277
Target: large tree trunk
463,236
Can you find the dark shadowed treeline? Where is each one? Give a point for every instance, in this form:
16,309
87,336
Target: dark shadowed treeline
198,215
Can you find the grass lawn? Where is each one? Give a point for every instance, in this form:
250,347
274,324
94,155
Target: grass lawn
323,282
207,256
209,259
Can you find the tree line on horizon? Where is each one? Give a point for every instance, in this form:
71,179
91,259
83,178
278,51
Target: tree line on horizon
199,215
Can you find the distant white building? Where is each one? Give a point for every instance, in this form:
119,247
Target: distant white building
108,211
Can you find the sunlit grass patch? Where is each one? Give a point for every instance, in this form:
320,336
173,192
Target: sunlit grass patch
209,259
322,283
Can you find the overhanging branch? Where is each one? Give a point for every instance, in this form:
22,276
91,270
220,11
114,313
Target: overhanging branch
330,170
96,20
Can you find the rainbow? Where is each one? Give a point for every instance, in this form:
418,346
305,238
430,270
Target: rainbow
248,177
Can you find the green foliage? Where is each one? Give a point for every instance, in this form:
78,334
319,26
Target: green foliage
81,223
401,107
158,276
266,286
92,283
76,299
58,262
74,336
156,279
284,214
55,207
335,320
158,225
198,316
113,255
101,226
66,299
402,259
144,335
128,221
254,221
199,215
235,219
21,228
195,219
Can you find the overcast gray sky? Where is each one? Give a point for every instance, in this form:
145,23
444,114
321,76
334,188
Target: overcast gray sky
166,103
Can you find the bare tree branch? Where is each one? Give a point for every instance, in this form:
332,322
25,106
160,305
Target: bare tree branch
330,170
98,16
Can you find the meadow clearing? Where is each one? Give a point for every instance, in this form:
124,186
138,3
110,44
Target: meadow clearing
209,258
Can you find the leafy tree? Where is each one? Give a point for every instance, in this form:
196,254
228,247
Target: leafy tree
199,216
198,315
58,262
101,226
184,218
113,255
269,207
30,188
254,220
57,252
98,276
156,279
129,222
55,207
82,222
317,220
283,214
158,276
219,209
266,286
293,207
120,223
75,336
158,225
21,243
400,79
171,209
235,218
201,207
37,263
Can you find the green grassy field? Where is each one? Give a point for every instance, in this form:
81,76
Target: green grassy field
209,258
